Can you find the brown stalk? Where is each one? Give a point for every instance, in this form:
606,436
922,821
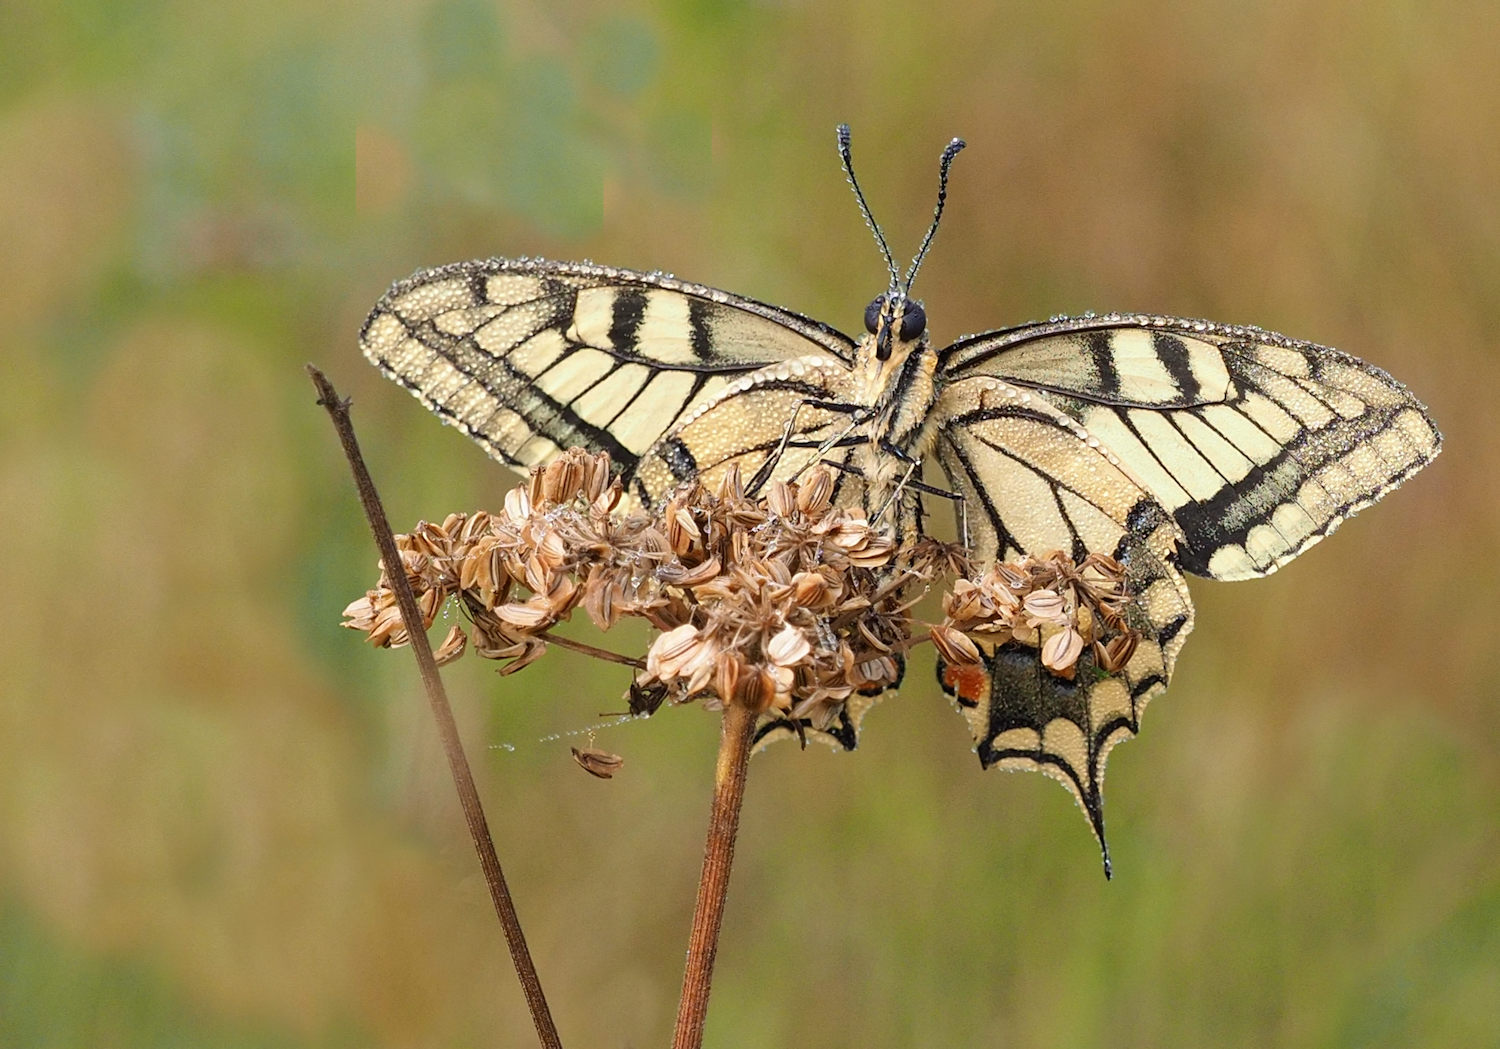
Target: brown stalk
735,737
458,763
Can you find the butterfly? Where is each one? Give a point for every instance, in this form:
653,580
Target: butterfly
1175,446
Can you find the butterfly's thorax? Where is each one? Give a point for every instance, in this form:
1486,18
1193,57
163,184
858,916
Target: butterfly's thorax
899,391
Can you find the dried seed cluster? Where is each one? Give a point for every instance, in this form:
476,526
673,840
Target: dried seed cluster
784,603
1049,603
561,516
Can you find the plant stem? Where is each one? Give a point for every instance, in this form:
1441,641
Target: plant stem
713,885
437,696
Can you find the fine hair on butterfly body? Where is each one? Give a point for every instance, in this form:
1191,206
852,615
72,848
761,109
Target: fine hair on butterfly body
1171,445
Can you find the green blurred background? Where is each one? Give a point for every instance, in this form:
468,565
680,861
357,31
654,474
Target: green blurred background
224,821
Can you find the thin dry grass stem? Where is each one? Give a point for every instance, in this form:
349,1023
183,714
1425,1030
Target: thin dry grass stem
463,780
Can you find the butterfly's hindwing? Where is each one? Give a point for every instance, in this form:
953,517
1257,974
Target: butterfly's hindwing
1258,445
1024,717
1032,478
529,357
747,426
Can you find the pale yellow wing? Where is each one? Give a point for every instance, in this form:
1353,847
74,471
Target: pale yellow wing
1257,444
528,357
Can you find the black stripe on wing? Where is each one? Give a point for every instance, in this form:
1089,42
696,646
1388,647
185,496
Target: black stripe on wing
1074,547
514,392
746,425
990,430
561,283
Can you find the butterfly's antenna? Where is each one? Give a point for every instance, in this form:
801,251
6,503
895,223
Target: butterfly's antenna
943,165
865,208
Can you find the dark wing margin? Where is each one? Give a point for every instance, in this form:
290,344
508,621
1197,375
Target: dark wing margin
1257,444
529,357
1035,481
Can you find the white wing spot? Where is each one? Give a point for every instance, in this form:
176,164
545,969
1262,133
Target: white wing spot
427,300
1231,562
511,289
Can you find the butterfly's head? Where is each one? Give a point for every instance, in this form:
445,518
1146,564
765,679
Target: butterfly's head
895,321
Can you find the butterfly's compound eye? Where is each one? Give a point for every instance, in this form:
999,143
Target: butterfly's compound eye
872,314
913,322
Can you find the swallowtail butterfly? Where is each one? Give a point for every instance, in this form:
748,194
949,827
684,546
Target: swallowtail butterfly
1173,445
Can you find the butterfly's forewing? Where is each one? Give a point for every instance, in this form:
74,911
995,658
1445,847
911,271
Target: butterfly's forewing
529,357
1257,444
1035,481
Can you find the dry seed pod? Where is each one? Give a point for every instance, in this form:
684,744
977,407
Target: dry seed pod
780,500
1061,651
452,647
815,494
1045,606
788,648
955,646
600,763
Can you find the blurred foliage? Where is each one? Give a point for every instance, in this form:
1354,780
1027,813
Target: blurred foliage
226,823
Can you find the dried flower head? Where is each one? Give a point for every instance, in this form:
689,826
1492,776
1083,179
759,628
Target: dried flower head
784,603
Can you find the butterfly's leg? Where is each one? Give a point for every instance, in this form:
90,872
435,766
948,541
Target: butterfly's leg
828,445
911,468
763,475
891,449
845,468
914,463
927,489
